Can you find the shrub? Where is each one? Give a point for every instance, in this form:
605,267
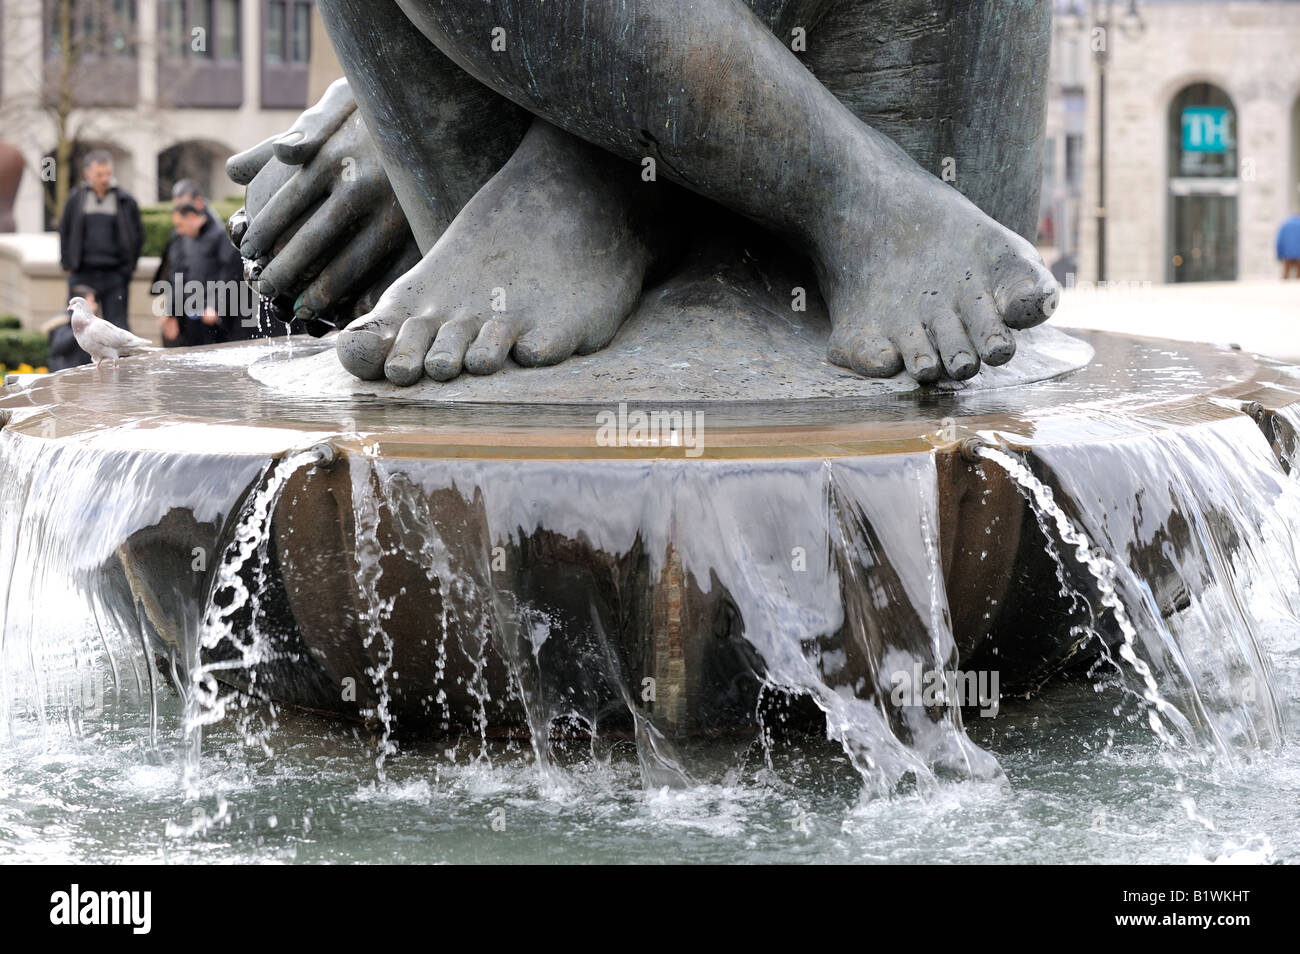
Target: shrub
157,221
10,322
23,347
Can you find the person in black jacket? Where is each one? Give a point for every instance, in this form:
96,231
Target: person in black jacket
100,237
202,275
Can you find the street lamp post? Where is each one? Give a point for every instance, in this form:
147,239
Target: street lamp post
1101,54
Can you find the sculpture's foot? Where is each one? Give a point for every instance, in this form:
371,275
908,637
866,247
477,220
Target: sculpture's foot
545,261
916,276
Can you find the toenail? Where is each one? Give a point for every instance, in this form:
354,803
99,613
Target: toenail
1051,301
362,340
924,363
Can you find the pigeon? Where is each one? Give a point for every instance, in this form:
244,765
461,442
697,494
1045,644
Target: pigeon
100,339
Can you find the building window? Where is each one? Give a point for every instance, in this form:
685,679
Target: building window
300,47
228,30
1073,160
104,28
202,29
286,50
275,31
288,31
173,39
201,37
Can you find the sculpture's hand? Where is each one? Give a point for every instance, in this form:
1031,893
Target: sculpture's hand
321,222
269,165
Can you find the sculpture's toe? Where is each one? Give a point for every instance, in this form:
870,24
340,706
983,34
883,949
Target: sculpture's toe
919,356
363,347
547,345
1027,294
405,364
446,357
954,347
487,354
870,355
987,333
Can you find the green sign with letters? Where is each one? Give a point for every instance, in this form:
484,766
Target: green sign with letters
1205,129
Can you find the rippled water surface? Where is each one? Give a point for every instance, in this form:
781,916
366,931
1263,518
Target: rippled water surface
1172,551
1081,786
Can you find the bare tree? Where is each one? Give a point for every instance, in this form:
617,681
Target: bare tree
88,52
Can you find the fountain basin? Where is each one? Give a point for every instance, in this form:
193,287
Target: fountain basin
467,558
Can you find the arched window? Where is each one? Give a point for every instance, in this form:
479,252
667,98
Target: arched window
204,162
1203,185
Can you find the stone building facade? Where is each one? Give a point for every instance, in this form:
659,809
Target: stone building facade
177,87
1202,138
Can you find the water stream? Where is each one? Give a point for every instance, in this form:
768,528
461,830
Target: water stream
548,667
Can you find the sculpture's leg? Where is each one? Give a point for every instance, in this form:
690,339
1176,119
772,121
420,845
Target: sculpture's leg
961,87
563,232
546,260
440,132
913,273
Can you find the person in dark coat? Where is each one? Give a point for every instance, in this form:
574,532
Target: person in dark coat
202,275
100,237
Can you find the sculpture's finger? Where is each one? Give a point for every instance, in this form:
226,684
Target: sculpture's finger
315,125
243,166
446,356
356,264
237,225
400,265
270,180
283,209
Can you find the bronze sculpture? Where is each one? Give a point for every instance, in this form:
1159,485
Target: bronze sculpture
554,159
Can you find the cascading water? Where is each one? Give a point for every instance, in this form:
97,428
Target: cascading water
576,640
206,700
1103,570
1190,537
